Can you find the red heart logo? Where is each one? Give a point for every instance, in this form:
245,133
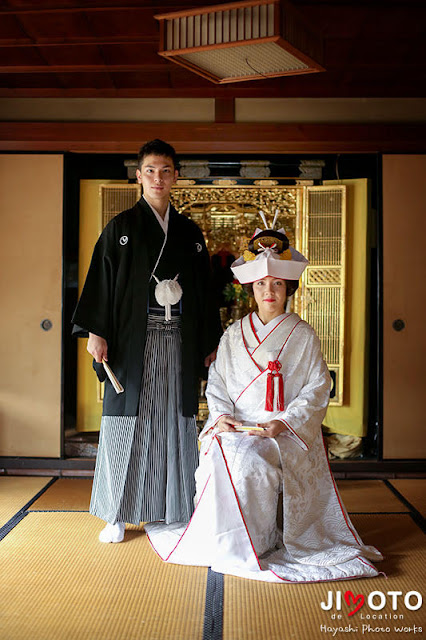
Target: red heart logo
350,598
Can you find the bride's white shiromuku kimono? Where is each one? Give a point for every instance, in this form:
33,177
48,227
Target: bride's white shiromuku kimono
240,477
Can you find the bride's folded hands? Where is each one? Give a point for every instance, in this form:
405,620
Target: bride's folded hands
270,429
227,423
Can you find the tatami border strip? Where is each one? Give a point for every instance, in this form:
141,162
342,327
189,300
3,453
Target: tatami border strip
414,513
11,524
71,511
23,511
60,511
37,495
213,612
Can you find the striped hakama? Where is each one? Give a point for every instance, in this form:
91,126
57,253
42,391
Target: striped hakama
146,463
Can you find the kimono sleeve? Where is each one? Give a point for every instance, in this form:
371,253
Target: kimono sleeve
210,325
94,309
303,416
218,399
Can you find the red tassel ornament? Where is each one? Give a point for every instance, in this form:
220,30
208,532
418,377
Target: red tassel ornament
274,367
269,403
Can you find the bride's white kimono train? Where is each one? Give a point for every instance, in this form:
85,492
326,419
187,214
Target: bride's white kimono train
240,477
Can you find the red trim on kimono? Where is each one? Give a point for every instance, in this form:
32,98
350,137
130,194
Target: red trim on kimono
238,502
245,344
357,540
271,331
252,327
254,380
326,579
286,340
272,369
294,433
186,528
213,425
368,564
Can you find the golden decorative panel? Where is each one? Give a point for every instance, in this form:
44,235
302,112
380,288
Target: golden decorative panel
324,276
322,296
114,198
228,214
267,199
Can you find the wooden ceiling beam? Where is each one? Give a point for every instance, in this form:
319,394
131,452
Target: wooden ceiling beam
84,8
83,68
96,40
9,89
195,137
167,7
366,71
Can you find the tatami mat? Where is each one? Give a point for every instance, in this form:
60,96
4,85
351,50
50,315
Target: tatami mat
261,611
369,496
66,494
414,490
16,492
62,584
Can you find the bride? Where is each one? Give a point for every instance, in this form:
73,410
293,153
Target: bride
267,393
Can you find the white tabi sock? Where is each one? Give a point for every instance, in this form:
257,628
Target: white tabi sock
112,532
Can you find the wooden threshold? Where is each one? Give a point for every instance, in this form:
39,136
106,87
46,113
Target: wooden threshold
341,468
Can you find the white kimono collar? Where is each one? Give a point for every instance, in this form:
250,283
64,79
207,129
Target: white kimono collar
164,224
261,329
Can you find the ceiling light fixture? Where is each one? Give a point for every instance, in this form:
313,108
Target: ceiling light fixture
241,41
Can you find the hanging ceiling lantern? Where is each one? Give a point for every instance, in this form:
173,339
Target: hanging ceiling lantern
241,41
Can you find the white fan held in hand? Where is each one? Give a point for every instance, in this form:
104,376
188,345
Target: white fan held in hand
113,379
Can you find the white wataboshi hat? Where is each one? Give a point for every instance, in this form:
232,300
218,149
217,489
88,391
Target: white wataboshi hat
269,254
268,263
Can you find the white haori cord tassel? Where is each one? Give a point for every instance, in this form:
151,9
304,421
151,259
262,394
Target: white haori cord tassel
168,292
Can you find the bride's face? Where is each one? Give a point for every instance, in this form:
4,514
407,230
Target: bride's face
270,295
